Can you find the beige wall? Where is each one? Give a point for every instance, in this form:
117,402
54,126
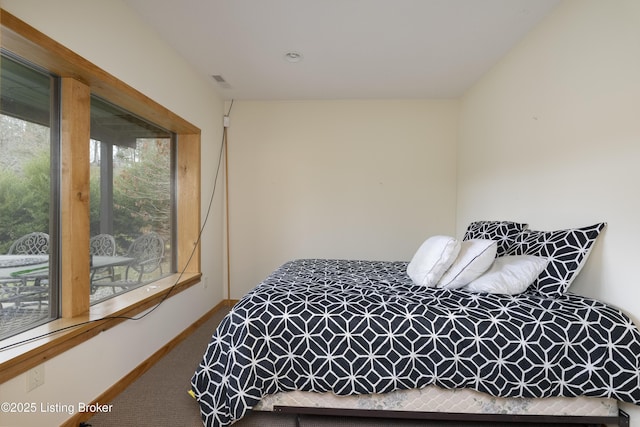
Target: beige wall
337,179
551,136
122,45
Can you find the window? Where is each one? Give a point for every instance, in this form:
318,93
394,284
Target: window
28,203
78,83
131,201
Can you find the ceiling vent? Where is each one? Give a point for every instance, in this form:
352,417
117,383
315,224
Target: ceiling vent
221,81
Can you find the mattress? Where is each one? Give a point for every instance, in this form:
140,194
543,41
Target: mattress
364,328
436,399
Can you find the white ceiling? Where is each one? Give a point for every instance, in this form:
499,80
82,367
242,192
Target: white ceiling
352,49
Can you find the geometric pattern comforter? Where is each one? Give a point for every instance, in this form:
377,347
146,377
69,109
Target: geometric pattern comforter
354,327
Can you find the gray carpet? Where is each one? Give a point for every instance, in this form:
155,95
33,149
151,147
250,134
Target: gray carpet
159,398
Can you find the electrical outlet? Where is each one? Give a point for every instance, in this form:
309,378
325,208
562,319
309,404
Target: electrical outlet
35,377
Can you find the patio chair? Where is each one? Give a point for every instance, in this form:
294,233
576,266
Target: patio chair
21,296
36,243
102,245
8,294
147,252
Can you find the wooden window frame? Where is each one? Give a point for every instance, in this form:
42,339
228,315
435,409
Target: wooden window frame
79,321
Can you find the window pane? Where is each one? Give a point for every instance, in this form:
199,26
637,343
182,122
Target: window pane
131,201
26,288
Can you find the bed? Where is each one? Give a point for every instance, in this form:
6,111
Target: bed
361,336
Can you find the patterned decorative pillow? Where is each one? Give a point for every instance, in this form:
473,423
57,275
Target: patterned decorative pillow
503,232
567,251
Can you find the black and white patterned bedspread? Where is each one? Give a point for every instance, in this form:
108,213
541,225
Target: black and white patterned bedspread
362,327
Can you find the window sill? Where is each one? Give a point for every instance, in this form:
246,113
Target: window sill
22,352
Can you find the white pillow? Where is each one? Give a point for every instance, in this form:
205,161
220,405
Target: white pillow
432,259
509,275
475,257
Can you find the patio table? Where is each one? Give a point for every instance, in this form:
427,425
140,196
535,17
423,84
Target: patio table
17,270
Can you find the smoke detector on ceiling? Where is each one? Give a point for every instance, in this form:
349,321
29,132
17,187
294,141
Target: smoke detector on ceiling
293,56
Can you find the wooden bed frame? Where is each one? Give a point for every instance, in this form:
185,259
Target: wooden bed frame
622,420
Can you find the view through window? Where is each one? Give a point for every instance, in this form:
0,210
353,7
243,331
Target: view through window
28,143
131,201
123,200
132,207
